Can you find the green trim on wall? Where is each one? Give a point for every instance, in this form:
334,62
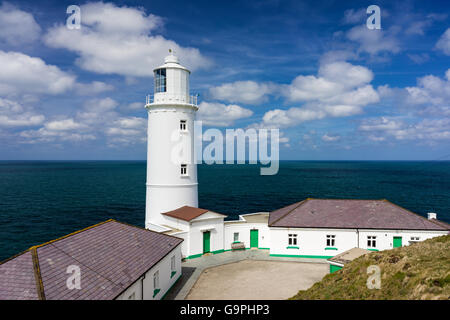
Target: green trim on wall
373,249
172,274
334,268
264,248
236,242
218,251
292,247
155,292
171,286
194,256
300,256
331,248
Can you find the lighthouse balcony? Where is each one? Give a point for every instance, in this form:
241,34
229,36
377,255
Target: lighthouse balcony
166,98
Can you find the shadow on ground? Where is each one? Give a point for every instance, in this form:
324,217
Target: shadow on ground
187,273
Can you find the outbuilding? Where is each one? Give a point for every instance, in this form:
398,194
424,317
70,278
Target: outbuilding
107,261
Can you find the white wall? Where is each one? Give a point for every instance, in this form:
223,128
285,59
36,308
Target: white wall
196,235
167,189
243,228
311,242
384,238
165,279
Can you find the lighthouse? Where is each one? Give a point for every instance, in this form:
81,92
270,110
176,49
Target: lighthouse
171,170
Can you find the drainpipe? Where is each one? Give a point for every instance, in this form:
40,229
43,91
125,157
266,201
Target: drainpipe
142,287
357,237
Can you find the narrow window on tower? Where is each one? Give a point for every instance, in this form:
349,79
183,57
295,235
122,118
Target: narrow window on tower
160,80
183,125
184,170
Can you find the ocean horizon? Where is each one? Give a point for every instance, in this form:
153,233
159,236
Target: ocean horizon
41,200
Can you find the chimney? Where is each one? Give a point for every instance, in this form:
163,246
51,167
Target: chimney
432,215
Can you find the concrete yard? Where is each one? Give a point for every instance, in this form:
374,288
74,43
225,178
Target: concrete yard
256,279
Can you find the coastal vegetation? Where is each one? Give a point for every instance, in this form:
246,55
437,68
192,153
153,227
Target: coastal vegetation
420,271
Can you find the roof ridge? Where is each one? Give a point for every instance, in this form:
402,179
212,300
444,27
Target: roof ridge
300,203
37,273
71,234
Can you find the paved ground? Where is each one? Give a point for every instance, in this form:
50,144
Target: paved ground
249,274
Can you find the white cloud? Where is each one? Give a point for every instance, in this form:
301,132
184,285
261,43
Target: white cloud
221,115
135,106
95,87
430,91
17,27
381,124
117,40
330,138
443,43
419,58
22,73
98,118
339,90
374,42
242,92
333,84
427,130
63,125
353,16
13,114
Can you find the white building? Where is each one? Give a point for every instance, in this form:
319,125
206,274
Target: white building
171,173
107,261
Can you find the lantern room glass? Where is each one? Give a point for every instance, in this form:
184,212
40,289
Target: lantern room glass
160,80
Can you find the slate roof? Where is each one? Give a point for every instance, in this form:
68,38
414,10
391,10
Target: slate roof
351,214
111,256
185,213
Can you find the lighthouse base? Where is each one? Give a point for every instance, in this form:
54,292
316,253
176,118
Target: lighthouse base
164,198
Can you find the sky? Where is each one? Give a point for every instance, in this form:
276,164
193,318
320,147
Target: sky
335,89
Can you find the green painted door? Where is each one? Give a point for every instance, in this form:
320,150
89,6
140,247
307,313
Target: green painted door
397,242
334,268
206,241
253,238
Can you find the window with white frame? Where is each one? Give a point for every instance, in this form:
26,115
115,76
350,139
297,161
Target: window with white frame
331,240
292,239
183,126
236,237
414,239
156,280
160,80
183,169
371,241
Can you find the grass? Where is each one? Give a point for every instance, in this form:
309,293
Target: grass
420,271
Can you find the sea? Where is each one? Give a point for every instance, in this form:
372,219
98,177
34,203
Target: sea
44,200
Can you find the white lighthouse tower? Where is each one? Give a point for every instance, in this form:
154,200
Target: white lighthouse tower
171,170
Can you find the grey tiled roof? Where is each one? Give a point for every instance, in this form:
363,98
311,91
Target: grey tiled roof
110,255
17,279
351,214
